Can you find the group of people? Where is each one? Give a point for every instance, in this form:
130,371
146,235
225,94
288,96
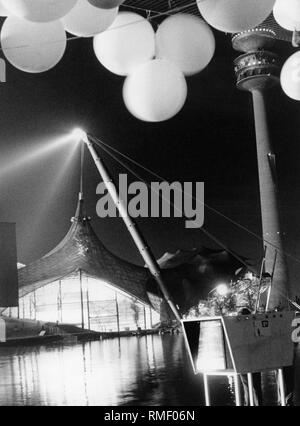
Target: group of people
250,298
247,295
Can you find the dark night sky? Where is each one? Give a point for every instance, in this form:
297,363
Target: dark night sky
211,140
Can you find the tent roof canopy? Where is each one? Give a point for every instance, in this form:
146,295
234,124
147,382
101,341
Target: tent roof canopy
188,275
81,249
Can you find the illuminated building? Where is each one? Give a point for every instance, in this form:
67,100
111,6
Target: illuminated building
80,282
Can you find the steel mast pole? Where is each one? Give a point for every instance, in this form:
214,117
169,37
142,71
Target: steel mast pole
133,229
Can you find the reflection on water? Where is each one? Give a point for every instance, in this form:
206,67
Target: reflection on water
151,370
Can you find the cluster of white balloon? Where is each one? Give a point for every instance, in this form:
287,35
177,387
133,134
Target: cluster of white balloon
33,39
155,64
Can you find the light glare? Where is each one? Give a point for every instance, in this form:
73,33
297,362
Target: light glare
80,135
222,289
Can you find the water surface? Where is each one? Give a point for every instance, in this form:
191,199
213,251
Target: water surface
150,370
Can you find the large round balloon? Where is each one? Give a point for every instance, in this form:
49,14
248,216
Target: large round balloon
3,10
33,47
39,10
287,14
232,16
106,4
187,41
156,91
290,76
128,43
86,20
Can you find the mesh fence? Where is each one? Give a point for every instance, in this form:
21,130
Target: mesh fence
158,9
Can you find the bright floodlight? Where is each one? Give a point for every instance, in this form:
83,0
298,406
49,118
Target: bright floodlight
222,289
80,135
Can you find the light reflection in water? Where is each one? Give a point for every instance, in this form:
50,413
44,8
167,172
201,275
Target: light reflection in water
127,371
152,370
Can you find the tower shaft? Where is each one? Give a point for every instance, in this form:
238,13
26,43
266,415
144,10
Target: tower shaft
257,70
269,201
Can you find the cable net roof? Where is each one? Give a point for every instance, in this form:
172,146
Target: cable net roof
188,275
169,7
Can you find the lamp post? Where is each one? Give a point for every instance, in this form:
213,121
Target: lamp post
257,70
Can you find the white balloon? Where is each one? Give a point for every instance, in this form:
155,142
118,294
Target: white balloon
287,14
156,91
128,43
39,10
86,20
106,4
33,47
3,10
290,76
233,16
187,41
